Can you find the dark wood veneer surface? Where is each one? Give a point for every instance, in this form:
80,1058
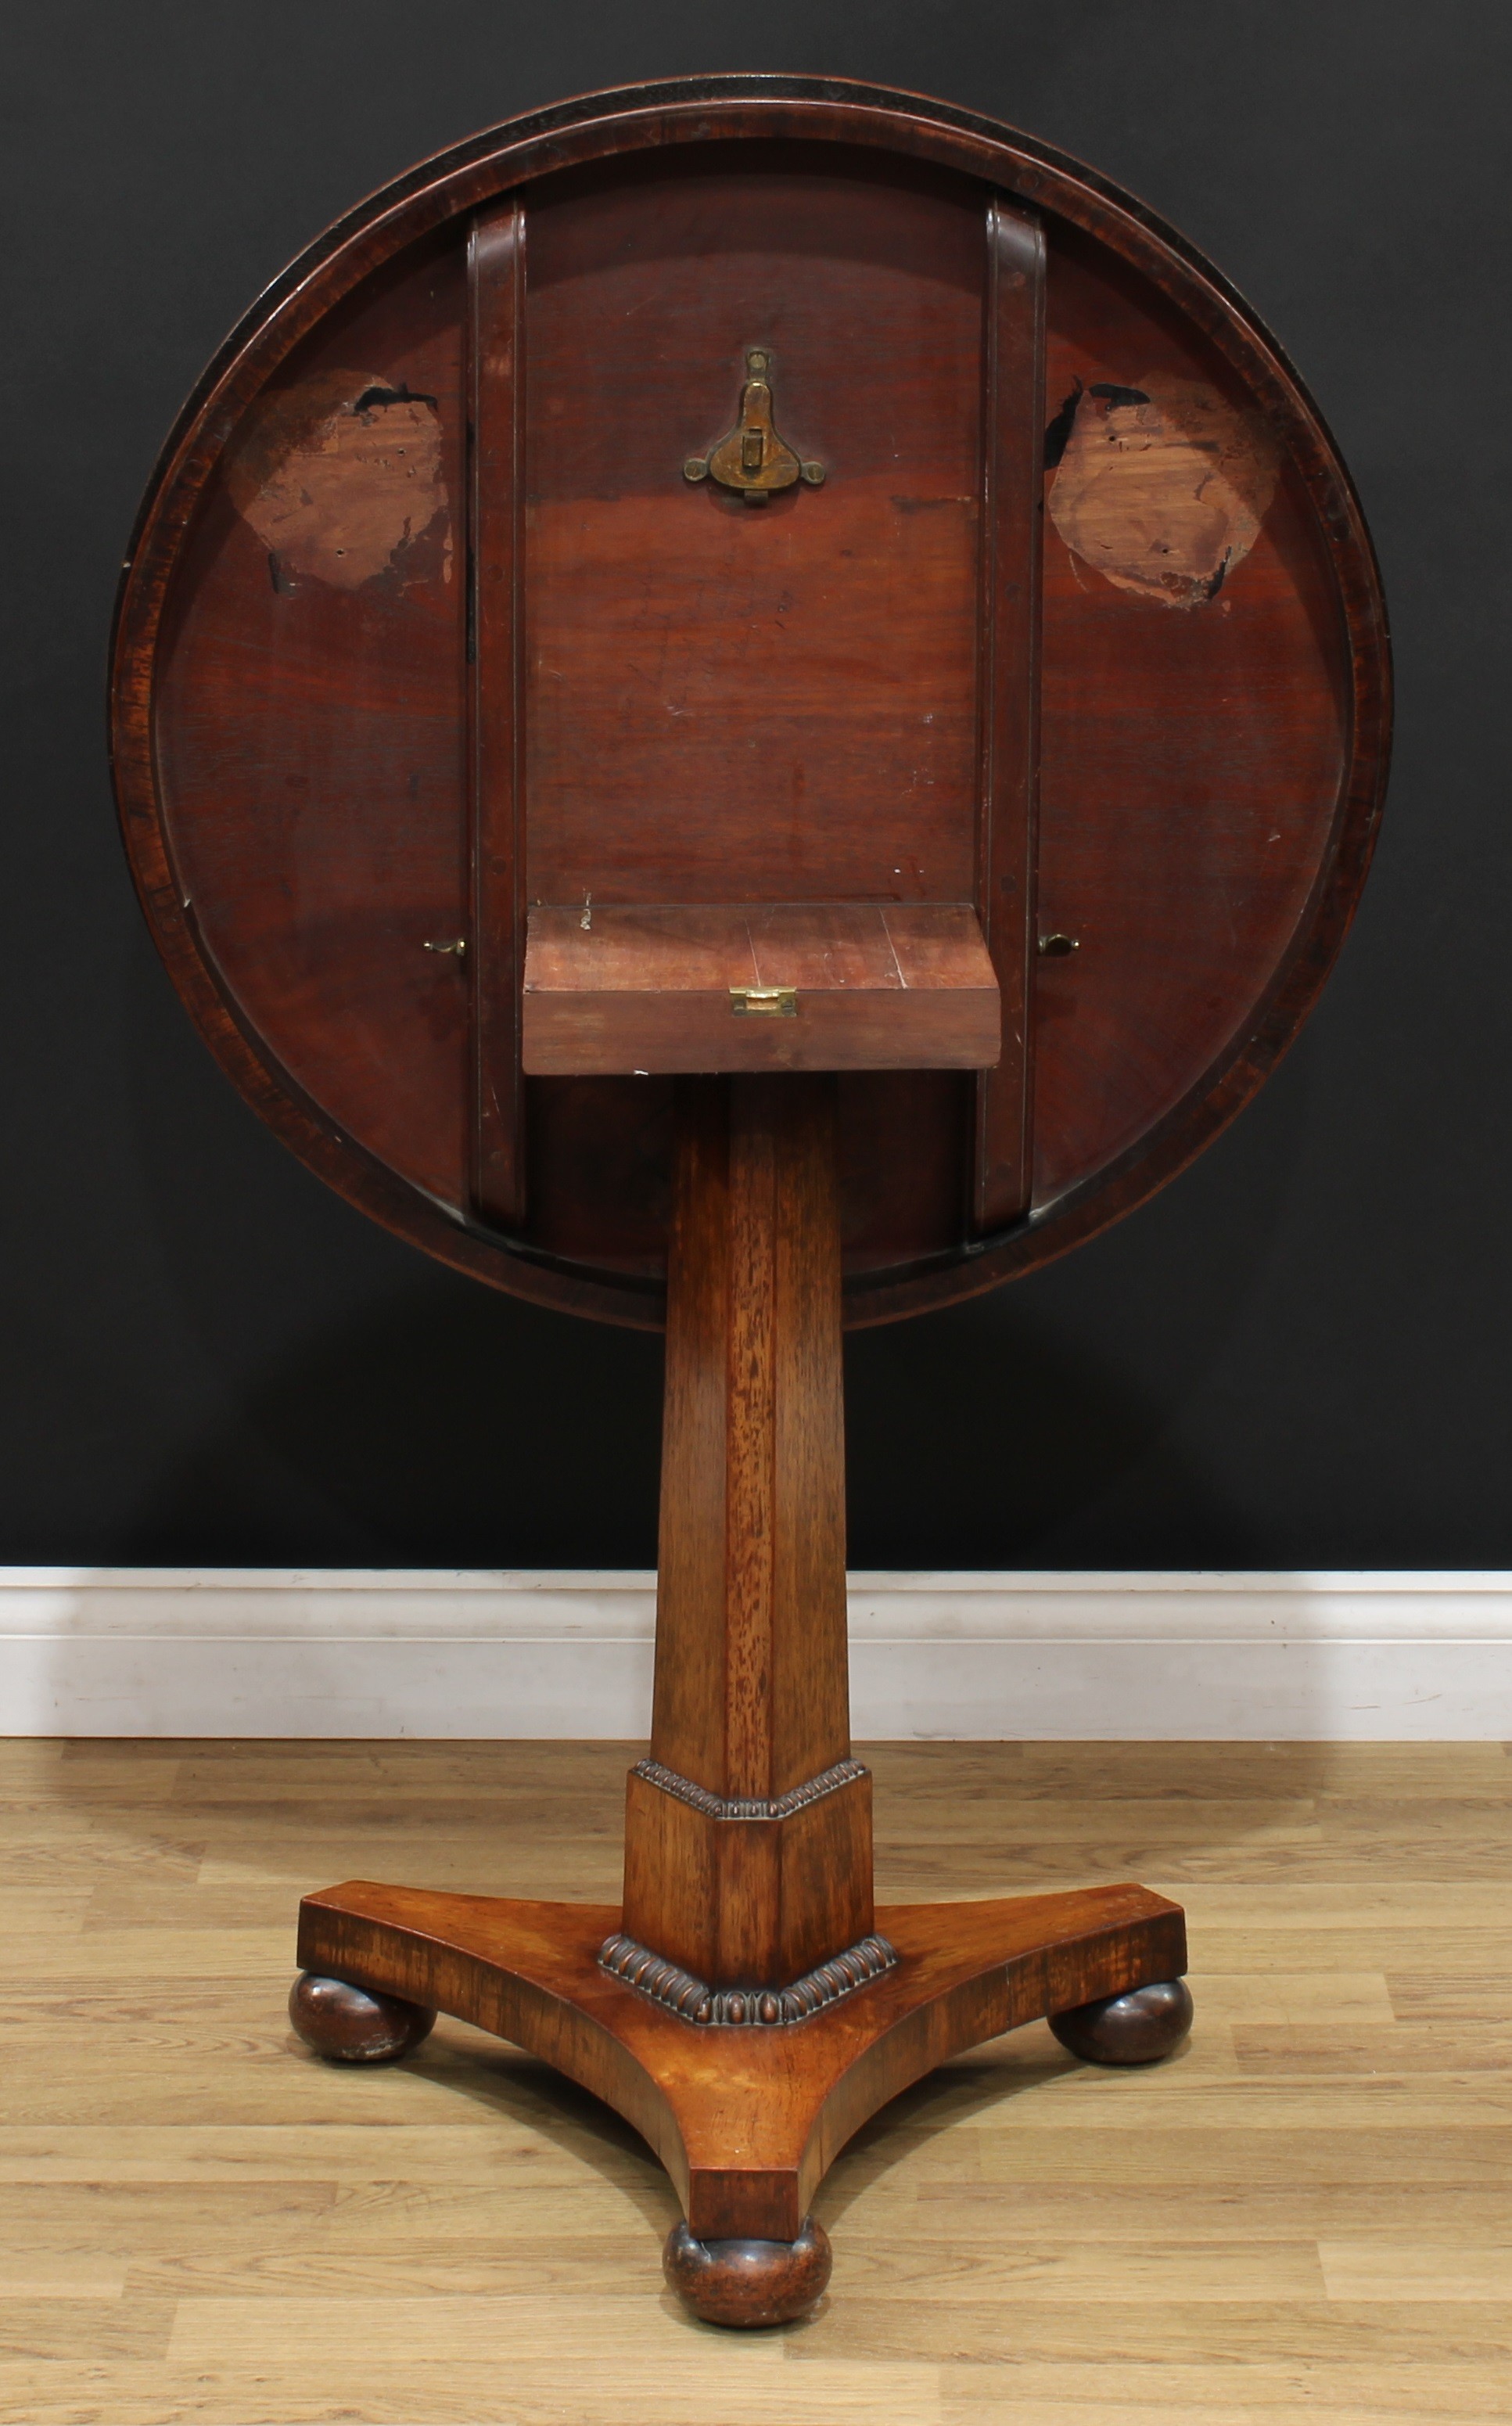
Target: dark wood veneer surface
329,786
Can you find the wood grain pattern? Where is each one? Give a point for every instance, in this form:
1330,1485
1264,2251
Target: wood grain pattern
907,986
746,2120
313,741
751,1694
774,706
1187,929
198,2226
747,1902
1212,766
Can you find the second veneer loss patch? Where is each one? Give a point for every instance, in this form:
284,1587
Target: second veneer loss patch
1160,485
341,477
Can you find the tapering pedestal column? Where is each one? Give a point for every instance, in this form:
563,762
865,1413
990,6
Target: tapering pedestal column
748,1835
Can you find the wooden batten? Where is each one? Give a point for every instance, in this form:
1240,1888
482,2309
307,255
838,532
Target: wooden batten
496,388
774,986
1012,516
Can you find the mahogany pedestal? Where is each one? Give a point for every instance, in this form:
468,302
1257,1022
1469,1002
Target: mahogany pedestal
747,2007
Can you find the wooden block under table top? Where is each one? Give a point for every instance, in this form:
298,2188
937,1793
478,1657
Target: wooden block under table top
848,985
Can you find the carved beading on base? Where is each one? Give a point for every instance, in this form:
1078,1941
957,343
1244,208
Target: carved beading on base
719,1807
693,2000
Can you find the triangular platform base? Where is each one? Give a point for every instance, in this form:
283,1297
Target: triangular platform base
747,2119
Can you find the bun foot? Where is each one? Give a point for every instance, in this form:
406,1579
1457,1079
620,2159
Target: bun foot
352,2026
1139,2026
749,2282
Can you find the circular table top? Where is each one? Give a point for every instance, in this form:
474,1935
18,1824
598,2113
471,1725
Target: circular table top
315,720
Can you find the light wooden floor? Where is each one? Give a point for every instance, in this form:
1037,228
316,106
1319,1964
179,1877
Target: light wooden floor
1307,2216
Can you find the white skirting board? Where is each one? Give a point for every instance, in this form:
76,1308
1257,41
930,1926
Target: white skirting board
133,1651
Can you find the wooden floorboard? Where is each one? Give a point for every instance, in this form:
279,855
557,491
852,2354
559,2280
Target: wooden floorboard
1306,2215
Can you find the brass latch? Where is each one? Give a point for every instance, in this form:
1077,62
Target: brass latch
764,1002
752,458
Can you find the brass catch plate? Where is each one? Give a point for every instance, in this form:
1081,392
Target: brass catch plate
751,458
764,1002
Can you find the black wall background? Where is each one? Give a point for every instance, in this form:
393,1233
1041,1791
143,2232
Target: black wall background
1296,1357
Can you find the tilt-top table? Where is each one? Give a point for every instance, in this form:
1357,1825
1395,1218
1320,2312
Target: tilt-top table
750,703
